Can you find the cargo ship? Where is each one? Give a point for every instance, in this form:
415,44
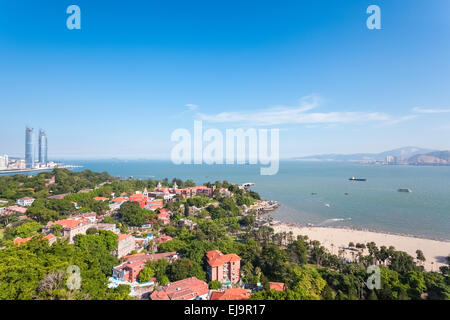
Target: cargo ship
357,179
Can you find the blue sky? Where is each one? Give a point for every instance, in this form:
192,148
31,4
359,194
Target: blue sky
137,70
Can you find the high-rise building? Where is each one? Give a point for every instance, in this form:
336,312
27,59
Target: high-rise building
42,147
4,162
29,152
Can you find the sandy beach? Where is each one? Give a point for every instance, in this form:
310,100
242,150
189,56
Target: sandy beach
335,238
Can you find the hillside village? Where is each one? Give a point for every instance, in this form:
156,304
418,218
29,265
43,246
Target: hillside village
169,209
174,240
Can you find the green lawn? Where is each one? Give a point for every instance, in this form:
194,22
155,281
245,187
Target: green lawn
1,234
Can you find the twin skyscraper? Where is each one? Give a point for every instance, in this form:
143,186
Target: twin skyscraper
29,148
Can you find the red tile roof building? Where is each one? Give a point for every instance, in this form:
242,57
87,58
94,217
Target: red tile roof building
164,238
146,202
129,270
71,227
223,267
186,192
100,198
231,294
13,210
279,286
164,216
58,196
186,289
18,241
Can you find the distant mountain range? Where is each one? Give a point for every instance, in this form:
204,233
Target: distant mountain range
405,155
432,158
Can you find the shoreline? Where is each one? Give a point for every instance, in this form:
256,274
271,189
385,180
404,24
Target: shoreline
299,225
39,169
336,238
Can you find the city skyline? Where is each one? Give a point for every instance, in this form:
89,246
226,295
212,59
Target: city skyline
31,150
118,90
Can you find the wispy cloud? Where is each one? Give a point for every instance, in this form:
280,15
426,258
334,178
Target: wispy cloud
430,111
294,115
400,119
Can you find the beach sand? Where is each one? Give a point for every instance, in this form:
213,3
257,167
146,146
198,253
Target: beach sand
333,239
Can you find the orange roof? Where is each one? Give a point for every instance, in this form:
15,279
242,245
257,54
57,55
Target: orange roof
217,258
279,286
68,223
136,196
163,215
49,237
165,238
123,236
16,209
185,289
100,198
231,294
119,199
19,241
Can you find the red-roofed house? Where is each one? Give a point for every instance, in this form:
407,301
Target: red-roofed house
58,196
164,216
186,289
231,294
18,241
223,267
279,286
100,198
71,227
14,210
146,202
164,238
129,270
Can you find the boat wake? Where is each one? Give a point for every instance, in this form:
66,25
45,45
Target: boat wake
330,221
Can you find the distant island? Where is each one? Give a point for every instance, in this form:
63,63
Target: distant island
400,156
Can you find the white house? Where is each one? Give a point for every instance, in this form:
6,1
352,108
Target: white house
25,201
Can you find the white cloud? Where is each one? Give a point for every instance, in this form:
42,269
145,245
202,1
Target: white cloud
294,115
430,111
401,119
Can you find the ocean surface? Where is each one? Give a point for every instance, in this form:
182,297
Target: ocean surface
374,205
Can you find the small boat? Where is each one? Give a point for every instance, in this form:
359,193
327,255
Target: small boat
327,205
346,193
313,193
404,190
357,179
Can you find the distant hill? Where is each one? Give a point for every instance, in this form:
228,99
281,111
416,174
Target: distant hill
431,158
400,153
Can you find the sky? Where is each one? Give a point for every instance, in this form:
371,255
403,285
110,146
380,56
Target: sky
138,70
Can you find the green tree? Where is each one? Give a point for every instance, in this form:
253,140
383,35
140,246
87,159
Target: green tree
27,229
146,274
131,214
185,268
215,285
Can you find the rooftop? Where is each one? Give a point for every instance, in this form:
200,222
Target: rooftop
231,294
185,289
217,258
